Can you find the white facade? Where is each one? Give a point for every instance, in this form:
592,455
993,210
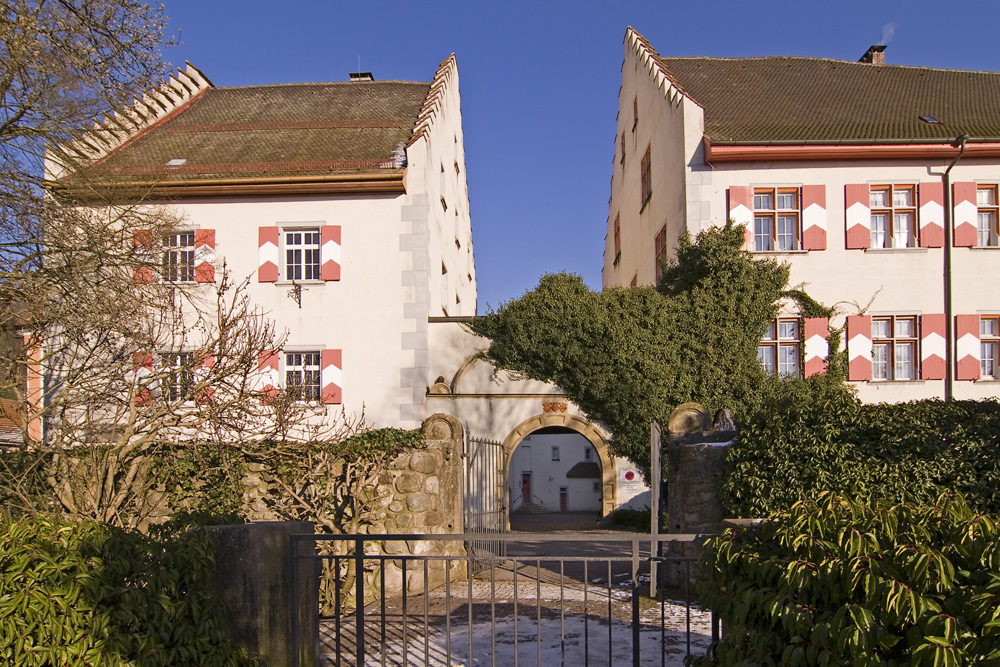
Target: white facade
692,190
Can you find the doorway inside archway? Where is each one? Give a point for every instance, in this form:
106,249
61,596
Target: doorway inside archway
554,481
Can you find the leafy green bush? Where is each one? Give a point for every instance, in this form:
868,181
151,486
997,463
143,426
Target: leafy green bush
814,436
82,594
836,581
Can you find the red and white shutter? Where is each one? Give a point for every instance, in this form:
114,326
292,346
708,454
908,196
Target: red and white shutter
967,347
857,216
269,373
142,363
815,334
932,346
741,211
814,217
859,347
331,377
329,253
206,394
931,215
204,255
965,214
142,239
267,254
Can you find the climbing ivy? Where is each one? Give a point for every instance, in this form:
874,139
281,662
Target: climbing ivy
629,356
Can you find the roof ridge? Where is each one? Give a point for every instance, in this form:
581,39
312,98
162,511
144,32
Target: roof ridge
829,60
320,83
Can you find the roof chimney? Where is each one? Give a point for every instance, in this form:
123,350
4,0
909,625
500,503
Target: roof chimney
367,76
875,55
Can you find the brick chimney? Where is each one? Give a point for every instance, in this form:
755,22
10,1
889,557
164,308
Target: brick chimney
875,55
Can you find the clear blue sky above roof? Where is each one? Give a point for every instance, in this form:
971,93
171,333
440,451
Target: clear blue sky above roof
540,80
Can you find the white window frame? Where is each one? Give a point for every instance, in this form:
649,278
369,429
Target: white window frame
989,347
891,344
178,257
179,378
780,349
303,368
777,219
987,216
304,267
887,213
555,452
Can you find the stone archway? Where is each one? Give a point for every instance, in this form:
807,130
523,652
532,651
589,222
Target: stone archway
578,425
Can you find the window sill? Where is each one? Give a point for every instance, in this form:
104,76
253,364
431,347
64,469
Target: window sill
911,382
780,252
890,251
987,381
289,283
985,247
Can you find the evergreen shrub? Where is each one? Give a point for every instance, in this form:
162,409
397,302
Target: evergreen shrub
836,581
85,594
814,435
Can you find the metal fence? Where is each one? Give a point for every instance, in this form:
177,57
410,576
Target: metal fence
557,598
485,498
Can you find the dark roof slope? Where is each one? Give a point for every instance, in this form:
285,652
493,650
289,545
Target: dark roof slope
585,470
785,99
303,128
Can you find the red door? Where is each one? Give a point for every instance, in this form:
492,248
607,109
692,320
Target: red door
563,498
526,487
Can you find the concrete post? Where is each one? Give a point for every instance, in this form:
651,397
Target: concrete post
253,575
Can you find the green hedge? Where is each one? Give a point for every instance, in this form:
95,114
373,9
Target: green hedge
835,581
84,594
815,436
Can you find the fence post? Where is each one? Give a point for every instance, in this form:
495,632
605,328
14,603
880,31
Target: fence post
359,581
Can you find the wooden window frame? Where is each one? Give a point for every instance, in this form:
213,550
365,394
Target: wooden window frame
647,179
635,112
617,231
178,257
891,343
890,212
308,375
309,261
776,342
773,215
989,364
992,239
179,380
660,250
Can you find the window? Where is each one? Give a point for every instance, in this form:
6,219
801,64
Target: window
779,349
635,280
302,254
618,239
178,257
647,184
776,219
302,375
989,347
587,454
661,249
986,220
597,487
555,453
893,216
635,112
179,380
623,149
894,348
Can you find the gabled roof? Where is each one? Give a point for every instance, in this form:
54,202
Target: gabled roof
306,134
792,99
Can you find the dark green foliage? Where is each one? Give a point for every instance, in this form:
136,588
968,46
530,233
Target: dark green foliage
81,594
815,436
839,582
629,356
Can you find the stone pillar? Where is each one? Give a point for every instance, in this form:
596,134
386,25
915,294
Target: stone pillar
253,572
696,457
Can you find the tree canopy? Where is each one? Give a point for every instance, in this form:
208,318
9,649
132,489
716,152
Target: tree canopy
628,356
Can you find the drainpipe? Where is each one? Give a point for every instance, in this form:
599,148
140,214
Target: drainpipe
949,324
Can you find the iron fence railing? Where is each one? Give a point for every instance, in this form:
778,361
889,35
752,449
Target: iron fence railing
555,598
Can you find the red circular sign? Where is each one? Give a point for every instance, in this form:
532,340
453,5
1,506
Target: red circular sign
629,475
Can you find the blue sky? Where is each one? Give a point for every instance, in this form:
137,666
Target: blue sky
539,83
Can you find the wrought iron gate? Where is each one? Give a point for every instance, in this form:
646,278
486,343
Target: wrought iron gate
485,502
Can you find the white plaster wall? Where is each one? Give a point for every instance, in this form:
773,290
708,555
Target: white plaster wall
361,314
661,127
880,281
534,455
